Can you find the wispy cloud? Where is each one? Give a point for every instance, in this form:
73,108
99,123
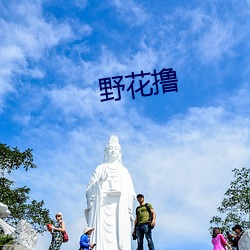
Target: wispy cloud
182,161
52,66
26,40
82,102
80,3
131,12
216,42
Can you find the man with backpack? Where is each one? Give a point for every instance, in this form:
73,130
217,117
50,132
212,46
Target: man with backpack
144,223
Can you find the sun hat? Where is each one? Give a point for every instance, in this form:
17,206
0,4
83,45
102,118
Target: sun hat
59,213
87,229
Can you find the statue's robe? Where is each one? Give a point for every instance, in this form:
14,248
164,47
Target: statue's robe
110,197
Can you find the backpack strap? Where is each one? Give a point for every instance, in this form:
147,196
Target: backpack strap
137,210
147,207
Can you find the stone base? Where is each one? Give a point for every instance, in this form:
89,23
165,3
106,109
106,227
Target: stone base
13,247
244,242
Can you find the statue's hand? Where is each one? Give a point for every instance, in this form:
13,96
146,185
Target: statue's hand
90,201
132,217
89,204
104,176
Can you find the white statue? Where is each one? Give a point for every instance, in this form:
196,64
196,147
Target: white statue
4,212
110,197
244,242
25,235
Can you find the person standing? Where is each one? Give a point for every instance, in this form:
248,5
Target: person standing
239,231
85,239
56,231
143,225
218,240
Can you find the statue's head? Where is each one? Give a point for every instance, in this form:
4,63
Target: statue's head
113,150
4,211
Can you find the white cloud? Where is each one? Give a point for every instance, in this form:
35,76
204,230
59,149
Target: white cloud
217,42
198,19
10,57
32,33
25,39
107,65
199,33
131,12
183,167
80,3
83,102
80,95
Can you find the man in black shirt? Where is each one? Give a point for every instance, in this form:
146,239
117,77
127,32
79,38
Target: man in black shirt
239,231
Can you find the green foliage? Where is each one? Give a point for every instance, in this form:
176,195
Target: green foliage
235,206
12,159
6,240
17,199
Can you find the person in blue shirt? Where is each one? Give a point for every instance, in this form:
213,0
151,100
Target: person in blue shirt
85,239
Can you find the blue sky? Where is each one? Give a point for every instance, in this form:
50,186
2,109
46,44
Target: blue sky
179,147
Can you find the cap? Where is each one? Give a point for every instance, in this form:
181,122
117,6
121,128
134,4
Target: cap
237,227
140,195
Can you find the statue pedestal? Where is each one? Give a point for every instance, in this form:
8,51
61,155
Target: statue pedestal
13,247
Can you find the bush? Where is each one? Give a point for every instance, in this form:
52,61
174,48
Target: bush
6,240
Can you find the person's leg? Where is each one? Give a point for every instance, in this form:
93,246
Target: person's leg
51,247
140,231
148,235
57,244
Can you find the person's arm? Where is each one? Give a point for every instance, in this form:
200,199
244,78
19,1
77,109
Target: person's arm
84,242
232,235
154,217
135,224
224,242
92,246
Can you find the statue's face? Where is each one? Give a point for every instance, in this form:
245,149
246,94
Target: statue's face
113,150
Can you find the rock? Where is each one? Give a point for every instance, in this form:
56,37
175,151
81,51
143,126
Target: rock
244,242
13,247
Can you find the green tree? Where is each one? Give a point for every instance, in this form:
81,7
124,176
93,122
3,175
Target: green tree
235,206
17,199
